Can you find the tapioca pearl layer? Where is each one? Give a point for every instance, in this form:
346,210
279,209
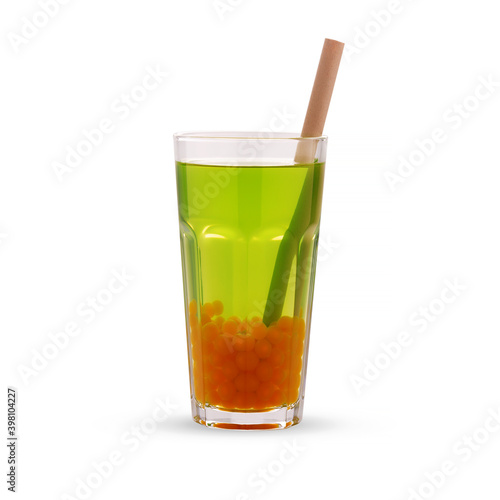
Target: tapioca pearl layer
242,363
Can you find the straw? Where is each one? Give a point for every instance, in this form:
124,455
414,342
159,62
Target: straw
313,127
319,102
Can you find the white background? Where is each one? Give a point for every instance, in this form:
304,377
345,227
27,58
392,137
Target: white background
385,252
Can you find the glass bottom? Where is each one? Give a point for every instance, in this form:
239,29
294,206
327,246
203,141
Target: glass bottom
277,418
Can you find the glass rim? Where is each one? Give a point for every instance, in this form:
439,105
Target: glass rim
246,136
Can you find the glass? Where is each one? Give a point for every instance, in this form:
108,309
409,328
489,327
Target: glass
249,217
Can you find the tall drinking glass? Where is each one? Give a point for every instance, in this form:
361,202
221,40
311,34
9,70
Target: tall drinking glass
249,214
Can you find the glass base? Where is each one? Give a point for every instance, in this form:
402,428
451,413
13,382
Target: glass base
277,418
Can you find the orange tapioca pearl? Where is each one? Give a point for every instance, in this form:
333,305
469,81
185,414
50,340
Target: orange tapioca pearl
207,309
264,371
265,390
245,400
215,375
199,390
285,343
219,321
246,382
263,348
195,335
274,335
193,307
299,326
293,387
207,348
193,321
218,307
298,341
230,327
239,400
285,323
194,325
251,399
229,369
211,396
235,319
205,318
222,345
297,349
280,376
247,361
243,327
258,330
277,398
296,365
288,360
277,357
255,319
243,342
292,396
197,352
210,332
194,328
226,391
216,359
198,371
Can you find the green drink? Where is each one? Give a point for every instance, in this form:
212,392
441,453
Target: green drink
249,234
232,221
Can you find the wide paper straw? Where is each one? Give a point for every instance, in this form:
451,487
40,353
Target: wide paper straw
305,154
319,103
